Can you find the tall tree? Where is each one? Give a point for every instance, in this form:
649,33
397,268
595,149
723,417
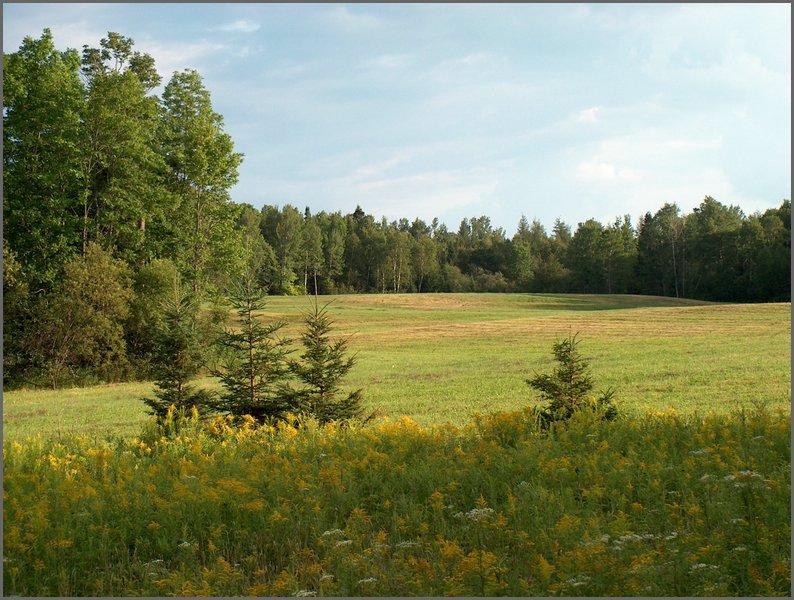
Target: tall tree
311,249
282,229
660,267
203,167
334,230
424,258
713,233
43,105
587,258
121,165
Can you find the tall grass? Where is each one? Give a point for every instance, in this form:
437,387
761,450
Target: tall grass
662,504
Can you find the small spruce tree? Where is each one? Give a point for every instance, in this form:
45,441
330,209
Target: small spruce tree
178,357
253,369
320,370
568,388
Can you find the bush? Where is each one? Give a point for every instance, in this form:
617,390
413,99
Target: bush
81,325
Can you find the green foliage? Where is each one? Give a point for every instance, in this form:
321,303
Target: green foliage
17,316
567,389
42,180
202,168
254,368
178,357
153,285
121,164
80,326
321,368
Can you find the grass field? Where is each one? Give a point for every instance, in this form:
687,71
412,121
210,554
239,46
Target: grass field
444,357
693,501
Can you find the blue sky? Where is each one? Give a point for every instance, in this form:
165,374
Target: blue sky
574,111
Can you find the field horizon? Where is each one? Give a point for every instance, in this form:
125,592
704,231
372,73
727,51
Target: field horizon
442,358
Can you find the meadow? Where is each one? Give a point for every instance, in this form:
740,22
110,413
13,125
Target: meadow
454,489
653,506
441,358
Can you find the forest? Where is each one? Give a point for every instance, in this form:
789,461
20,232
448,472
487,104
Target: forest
111,193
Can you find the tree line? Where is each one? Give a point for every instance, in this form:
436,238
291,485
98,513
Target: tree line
111,193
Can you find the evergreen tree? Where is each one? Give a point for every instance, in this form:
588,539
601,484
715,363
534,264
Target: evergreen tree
567,389
178,358
322,366
254,370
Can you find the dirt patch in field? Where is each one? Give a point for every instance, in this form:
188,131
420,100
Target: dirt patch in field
418,301
650,322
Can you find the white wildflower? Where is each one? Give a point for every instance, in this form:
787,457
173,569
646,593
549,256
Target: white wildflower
367,580
479,514
184,545
341,543
333,532
305,594
409,545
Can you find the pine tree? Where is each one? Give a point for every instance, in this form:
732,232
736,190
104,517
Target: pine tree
322,366
254,370
179,357
567,389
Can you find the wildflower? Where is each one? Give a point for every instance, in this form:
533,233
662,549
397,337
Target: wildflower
702,566
579,581
477,514
341,543
408,544
305,594
184,545
367,580
333,532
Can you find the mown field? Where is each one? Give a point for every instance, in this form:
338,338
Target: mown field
688,493
443,357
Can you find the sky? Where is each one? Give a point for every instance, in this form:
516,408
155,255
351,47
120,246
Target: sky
570,111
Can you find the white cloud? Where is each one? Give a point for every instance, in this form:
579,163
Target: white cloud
595,170
389,61
343,18
745,46
175,56
239,26
588,115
